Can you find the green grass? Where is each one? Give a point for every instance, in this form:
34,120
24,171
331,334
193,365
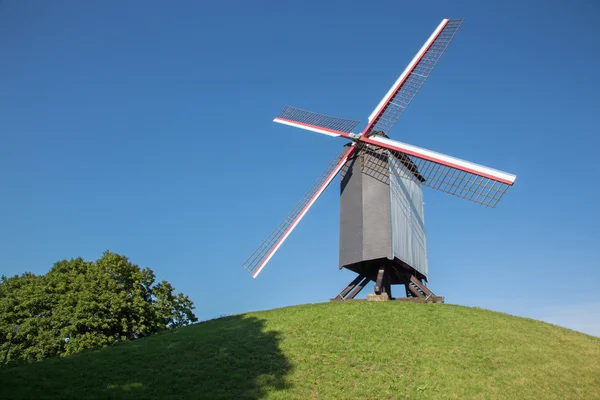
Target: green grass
388,350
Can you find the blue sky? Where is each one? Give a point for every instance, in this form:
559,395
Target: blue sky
146,129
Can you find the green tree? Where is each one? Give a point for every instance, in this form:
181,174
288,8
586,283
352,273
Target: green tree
81,304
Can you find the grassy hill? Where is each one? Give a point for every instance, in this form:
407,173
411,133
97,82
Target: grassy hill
331,350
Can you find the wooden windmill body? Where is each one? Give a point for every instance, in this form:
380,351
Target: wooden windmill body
382,226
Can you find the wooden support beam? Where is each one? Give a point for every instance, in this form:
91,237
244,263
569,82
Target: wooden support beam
380,282
414,291
351,286
358,288
420,285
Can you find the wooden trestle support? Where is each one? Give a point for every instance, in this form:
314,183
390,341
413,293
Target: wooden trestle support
386,274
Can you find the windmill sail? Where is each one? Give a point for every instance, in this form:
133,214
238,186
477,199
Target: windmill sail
393,104
439,171
261,256
311,121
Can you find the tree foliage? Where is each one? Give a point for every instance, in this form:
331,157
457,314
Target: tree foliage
81,304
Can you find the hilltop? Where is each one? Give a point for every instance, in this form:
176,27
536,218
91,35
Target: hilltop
331,350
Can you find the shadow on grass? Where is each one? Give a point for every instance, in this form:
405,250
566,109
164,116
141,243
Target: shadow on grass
232,357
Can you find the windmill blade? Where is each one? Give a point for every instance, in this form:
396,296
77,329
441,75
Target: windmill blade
261,256
452,175
393,104
311,121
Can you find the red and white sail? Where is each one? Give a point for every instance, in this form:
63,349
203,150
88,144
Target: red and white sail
261,256
395,101
465,179
325,124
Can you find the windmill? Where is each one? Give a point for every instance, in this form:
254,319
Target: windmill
382,228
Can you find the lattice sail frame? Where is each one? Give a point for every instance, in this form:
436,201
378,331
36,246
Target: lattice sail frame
486,191
261,256
309,120
393,104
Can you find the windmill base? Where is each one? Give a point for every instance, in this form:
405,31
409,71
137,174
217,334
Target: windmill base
386,273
